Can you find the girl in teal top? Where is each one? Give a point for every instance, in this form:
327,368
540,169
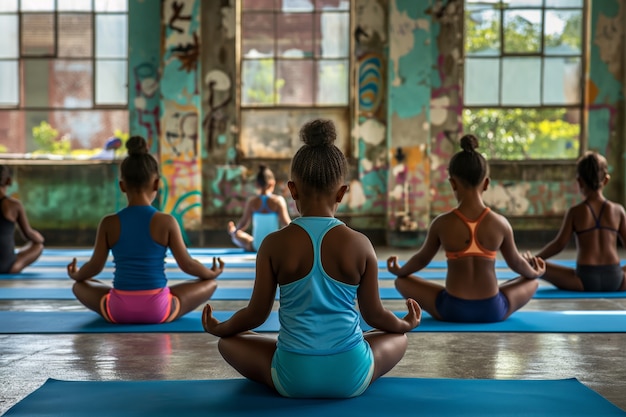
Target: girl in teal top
322,268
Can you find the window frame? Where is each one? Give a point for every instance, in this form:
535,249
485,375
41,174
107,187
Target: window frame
500,7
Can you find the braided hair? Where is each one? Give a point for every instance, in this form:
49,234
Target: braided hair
5,175
139,167
319,164
468,165
592,169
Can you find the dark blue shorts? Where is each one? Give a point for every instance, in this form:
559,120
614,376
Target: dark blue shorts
488,310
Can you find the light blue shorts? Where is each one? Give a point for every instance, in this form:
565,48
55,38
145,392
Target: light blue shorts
342,375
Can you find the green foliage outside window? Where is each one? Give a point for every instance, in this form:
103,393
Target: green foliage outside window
523,133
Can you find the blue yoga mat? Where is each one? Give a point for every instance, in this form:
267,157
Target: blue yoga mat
70,253
388,397
23,293
29,322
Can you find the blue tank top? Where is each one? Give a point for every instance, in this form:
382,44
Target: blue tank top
318,314
139,260
264,222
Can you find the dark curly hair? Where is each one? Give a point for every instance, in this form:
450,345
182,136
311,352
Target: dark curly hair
319,164
139,167
468,165
592,169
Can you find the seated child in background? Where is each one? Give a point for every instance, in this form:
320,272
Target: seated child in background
321,266
11,213
471,235
597,224
267,212
139,236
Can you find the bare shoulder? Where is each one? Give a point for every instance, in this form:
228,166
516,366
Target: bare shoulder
164,219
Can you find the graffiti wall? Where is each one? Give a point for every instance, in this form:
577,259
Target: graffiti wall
180,140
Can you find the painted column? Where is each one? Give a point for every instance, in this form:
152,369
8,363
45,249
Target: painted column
144,58
408,133
179,140
368,191
606,89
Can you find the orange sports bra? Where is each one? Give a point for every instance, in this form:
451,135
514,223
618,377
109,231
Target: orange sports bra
474,248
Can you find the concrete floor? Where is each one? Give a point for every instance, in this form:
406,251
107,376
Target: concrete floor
597,360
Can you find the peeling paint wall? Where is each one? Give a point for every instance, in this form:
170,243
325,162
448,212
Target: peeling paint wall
410,34
402,130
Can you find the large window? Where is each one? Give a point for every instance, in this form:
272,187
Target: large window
63,76
295,65
523,84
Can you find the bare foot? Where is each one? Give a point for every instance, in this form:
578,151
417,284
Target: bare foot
231,228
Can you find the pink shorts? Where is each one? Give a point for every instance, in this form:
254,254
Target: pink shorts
145,306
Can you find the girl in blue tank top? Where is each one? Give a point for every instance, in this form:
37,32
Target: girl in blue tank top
322,268
139,236
266,212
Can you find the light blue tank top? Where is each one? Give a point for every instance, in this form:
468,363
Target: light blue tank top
318,314
139,260
264,222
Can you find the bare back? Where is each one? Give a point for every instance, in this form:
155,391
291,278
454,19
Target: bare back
471,277
597,225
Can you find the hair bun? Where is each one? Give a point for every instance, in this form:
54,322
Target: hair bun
469,143
318,133
137,145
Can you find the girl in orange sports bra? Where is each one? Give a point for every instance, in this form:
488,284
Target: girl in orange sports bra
597,259
471,235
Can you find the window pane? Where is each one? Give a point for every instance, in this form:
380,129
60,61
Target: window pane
257,79
523,3
37,34
75,35
297,88
111,5
564,3
37,82
482,31
563,32
12,131
71,84
9,40
333,35
111,36
297,5
257,32
521,80
332,82
562,81
37,5
9,83
481,85
8,6
525,133
74,5
294,33
84,129
332,5
111,82
257,5
522,31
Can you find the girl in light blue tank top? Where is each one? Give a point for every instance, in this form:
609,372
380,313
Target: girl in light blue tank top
266,212
322,268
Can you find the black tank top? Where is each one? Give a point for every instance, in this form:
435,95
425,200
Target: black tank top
7,237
